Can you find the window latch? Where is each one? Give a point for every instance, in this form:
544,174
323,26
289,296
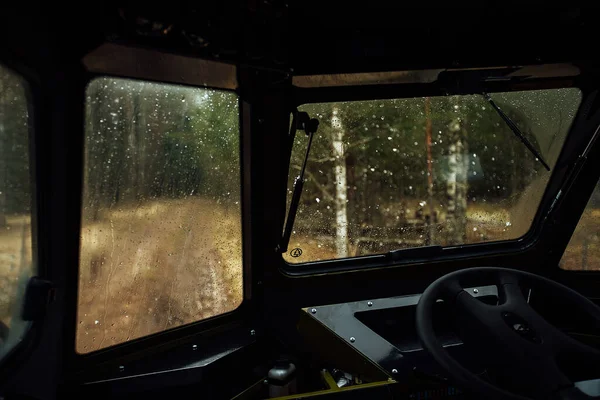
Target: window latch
38,295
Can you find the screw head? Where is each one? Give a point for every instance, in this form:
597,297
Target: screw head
194,347
252,332
265,381
370,303
475,290
313,310
394,371
352,339
121,368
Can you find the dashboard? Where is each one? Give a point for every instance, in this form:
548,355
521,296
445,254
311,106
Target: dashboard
383,333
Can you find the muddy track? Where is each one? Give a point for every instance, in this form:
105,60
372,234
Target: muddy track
155,267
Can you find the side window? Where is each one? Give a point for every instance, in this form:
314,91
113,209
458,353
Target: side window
583,251
161,211
16,266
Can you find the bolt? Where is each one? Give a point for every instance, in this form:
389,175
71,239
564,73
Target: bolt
265,381
475,290
352,339
194,347
370,303
394,371
313,310
121,368
252,332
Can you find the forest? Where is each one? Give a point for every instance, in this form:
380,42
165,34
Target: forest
161,220
413,172
15,205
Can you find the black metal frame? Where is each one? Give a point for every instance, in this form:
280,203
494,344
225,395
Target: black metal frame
284,292
377,276
155,343
272,292
32,92
421,255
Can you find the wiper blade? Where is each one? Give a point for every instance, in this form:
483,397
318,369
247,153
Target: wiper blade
309,126
513,127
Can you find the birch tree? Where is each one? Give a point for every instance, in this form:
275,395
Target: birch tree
3,186
341,196
456,183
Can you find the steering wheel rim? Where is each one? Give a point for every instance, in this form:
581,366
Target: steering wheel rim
449,288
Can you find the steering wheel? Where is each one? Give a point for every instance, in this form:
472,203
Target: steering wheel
527,350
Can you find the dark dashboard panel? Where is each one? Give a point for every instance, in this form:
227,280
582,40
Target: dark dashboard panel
383,332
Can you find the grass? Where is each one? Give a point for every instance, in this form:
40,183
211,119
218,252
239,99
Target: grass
168,263
154,267
583,252
15,262
485,223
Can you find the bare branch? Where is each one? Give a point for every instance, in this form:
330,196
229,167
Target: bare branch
321,160
359,142
313,179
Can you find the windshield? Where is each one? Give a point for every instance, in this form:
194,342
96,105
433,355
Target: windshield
403,173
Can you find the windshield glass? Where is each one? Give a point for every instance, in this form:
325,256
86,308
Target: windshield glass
403,173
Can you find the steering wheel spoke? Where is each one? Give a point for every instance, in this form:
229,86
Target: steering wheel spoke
511,296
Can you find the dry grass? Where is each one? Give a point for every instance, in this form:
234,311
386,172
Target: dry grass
168,263
485,222
158,266
583,252
15,262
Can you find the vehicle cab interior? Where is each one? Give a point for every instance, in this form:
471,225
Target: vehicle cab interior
292,200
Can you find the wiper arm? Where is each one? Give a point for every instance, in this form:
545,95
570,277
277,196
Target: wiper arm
309,126
513,127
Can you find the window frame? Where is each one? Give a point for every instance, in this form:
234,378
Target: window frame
156,342
420,255
92,79
569,211
30,79
578,221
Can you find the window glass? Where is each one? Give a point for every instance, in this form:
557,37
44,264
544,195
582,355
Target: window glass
583,251
404,173
16,265
161,223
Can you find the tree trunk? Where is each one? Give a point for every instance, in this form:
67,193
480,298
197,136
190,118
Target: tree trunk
431,219
131,168
456,184
341,214
3,155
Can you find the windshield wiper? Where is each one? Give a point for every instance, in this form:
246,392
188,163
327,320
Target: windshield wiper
303,122
513,127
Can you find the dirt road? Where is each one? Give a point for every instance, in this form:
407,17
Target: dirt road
155,267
